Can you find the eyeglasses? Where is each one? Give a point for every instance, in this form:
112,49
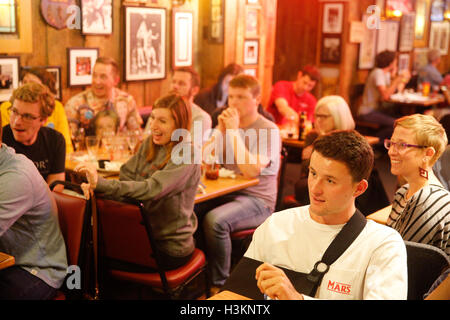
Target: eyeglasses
400,146
322,116
25,116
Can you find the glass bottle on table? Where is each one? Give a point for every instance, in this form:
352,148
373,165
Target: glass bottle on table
302,126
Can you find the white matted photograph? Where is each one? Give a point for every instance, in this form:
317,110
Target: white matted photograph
367,48
251,49
97,16
145,43
333,15
9,76
387,38
440,36
403,61
182,38
80,66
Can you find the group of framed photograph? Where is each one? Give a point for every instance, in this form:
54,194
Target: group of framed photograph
332,27
420,27
252,35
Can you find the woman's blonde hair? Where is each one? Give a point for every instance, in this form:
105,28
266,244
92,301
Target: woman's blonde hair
339,110
428,132
182,117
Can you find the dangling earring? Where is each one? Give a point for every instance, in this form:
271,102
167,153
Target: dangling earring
423,173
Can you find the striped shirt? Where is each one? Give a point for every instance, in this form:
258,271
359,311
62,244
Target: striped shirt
424,217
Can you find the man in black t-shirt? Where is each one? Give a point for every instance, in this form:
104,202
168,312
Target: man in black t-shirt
31,104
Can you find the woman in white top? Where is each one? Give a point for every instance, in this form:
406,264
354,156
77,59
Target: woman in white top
421,207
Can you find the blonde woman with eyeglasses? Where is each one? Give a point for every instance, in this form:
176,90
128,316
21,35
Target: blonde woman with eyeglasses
421,207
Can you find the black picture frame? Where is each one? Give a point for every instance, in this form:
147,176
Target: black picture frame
56,71
80,66
151,63
331,49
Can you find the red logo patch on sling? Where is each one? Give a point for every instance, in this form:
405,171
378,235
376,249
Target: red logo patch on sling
339,287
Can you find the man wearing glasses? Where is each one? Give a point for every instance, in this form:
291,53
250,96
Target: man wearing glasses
31,104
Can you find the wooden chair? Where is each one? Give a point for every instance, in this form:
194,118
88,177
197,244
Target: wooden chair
127,250
425,265
74,222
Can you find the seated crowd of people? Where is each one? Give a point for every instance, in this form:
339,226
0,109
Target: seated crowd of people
37,132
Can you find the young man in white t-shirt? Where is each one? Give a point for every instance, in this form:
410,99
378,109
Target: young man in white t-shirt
374,266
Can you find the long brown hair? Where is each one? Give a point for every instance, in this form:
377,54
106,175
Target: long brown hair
182,117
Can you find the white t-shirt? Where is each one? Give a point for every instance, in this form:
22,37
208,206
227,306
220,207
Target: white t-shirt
373,267
371,96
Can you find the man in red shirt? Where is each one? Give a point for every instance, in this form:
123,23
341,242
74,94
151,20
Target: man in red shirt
289,98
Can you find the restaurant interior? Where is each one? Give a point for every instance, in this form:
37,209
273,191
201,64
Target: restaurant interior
271,41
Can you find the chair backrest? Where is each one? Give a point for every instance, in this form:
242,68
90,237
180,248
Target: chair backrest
123,235
442,169
425,264
72,219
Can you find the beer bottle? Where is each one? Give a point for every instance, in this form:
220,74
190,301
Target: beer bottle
302,126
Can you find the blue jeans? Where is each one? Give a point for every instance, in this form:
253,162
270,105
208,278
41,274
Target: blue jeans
18,284
222,216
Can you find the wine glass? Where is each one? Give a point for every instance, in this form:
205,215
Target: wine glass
92,144
132,140
107,142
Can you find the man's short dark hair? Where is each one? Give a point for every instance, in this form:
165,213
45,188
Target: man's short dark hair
384,59
195,77
311,71
350,148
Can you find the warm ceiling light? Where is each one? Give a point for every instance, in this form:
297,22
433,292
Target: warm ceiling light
397,13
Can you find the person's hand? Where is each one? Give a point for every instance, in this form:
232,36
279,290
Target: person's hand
230,118
273,282
91,174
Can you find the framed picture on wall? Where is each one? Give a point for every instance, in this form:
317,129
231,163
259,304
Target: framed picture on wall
251,71
437,10
406,42
251,51
97,17
251,22
216,21
182,38
367,48
55,71
422,24
80,67
331,49
440,36
387,38
333,16
403,62
9,76
145,43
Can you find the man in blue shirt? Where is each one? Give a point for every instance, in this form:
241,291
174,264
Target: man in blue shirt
430,73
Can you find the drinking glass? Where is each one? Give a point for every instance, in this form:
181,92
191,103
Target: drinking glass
133,140
92,144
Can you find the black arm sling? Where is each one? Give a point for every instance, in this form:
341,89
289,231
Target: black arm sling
242,280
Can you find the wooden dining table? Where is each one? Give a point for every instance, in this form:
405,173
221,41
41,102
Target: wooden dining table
228,295
210,188
409,105
6,260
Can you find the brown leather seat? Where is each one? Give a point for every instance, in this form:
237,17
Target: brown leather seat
128,253
72,221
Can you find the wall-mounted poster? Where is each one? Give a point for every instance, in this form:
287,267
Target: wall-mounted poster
387,38
9,76
81,63
333,16
97,16
252,22
55,12
367,48
182,38
145,43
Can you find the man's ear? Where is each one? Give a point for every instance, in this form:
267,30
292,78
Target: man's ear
116,80
195,90
361,188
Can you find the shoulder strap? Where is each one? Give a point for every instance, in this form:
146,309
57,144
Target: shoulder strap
343,240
